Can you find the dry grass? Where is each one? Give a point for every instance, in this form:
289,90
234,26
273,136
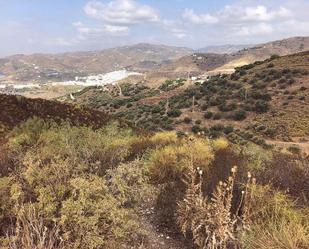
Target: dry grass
31,232
277,222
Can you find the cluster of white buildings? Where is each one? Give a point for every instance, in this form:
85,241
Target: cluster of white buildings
93,80
99,80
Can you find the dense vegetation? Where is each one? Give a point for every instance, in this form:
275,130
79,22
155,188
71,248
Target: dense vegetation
262,101
64,186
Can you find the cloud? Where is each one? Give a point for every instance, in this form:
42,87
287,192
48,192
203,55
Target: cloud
66,42
103,30
238,14
124,12
242,20
174,28
118,17
257,13
116,30
259,29
191,16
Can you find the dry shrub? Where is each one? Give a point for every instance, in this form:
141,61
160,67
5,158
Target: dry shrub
220,144
277,222
211,221
220,168
164,138
31,232
129,184
288,172
170,163
91,217
139,145
4,161
6,204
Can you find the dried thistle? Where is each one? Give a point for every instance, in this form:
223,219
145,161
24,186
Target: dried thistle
211,221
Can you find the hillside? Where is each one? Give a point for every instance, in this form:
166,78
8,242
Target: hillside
73,177
44,67
224,49
263,51
268,100
159,62
71,186
16,109
215,63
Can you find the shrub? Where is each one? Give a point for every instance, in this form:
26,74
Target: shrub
211,221
163,138
104,220
156,109
220,144
278,223
217,116
291,81
208,115
294,149
261,106
270,65
196,128
174,113
171,162
187,120
239,115
204,107
217,127
228,129
274,56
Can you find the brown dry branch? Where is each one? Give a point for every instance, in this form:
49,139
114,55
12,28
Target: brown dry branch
31,233
211,221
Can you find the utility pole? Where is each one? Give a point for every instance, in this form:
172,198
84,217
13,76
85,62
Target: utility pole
167,105
193,103
119,88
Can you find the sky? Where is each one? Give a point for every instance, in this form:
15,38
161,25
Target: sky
52,26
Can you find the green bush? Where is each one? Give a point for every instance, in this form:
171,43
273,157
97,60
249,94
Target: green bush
208,115
261,106
196,128
174,113
294,149
239,115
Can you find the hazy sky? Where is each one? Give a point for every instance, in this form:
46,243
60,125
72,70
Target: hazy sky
29,26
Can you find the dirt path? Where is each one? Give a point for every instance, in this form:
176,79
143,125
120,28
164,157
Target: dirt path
156,236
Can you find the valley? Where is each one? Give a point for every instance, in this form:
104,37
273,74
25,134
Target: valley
170,149
262,101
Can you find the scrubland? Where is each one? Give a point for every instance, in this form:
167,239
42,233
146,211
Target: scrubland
65,186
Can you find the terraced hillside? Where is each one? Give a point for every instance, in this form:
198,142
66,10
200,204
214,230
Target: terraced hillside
259,102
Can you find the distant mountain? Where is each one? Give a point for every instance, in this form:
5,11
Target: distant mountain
214,63
43,67
157,61
223,49
263,51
